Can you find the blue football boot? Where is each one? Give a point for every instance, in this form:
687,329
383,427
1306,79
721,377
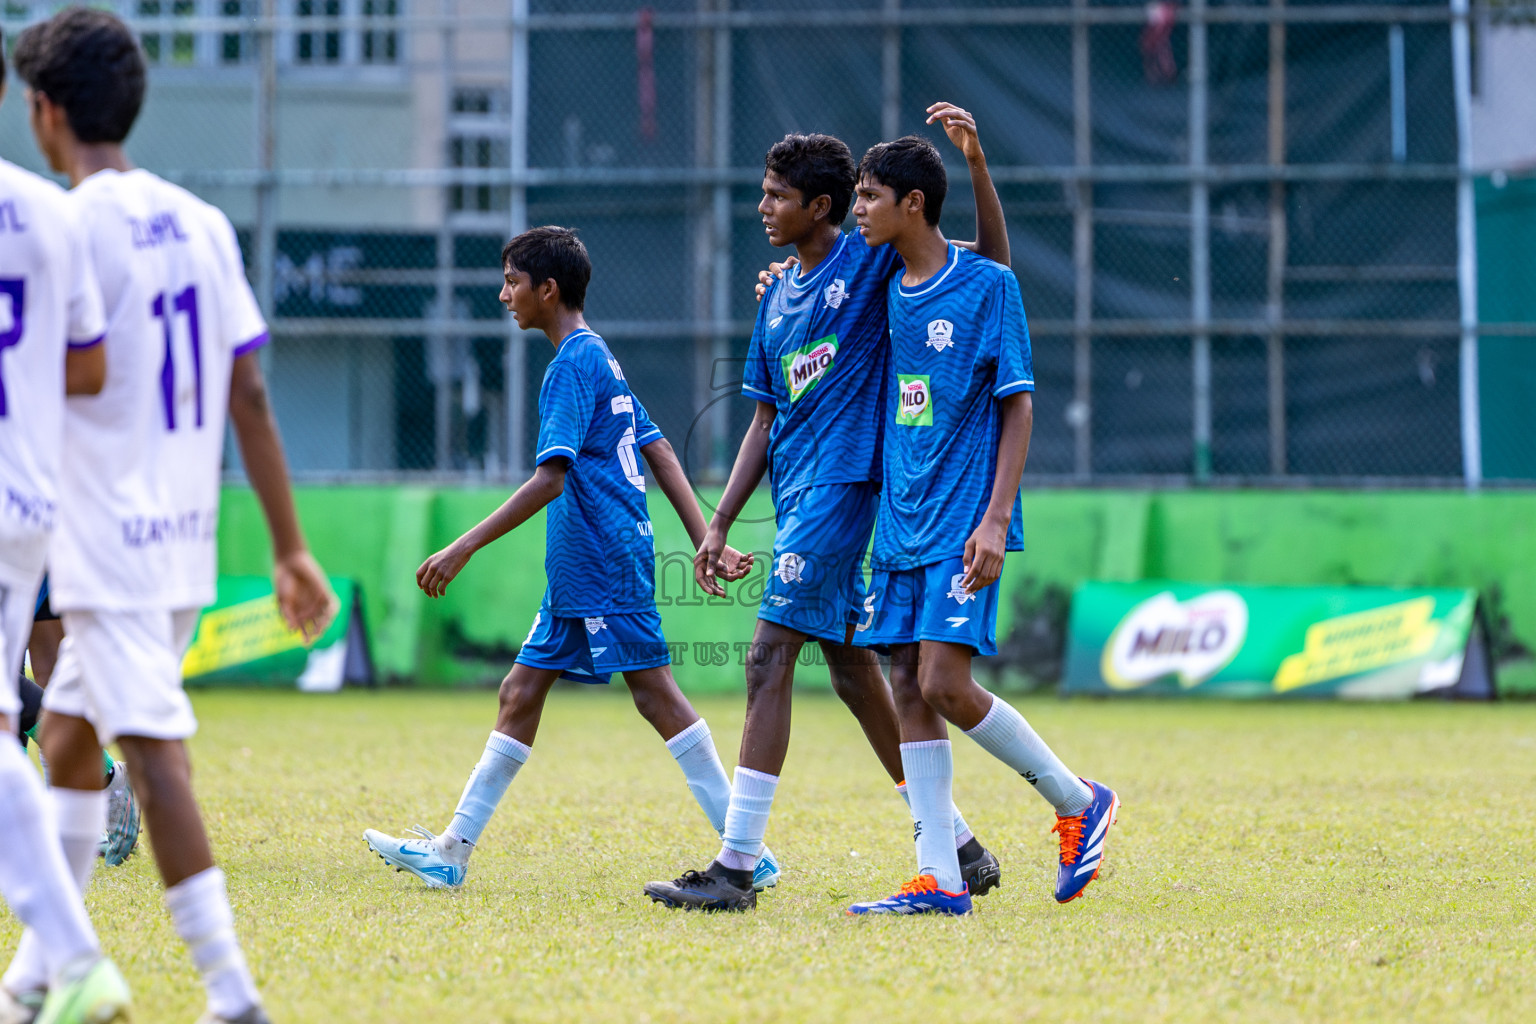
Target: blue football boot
420,856
922,895
766,874
1082,842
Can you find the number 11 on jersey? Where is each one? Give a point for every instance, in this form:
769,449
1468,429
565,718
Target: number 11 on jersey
185,301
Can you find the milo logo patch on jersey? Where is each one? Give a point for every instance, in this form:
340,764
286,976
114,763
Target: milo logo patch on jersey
804,367
915,406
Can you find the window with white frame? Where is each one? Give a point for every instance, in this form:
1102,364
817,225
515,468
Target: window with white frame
164,29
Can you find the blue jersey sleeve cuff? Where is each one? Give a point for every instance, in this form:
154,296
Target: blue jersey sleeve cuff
1004,390
252,345
555,451
755,392
76,346
649,437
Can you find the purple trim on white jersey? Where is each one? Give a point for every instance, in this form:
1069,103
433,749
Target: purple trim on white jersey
252,345
76,346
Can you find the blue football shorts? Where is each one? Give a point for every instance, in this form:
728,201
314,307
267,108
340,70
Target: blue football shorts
592,649
928,603
816,582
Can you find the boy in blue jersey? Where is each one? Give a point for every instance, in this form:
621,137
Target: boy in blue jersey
957,432
817,367
599,615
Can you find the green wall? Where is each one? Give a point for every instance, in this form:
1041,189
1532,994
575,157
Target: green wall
379,535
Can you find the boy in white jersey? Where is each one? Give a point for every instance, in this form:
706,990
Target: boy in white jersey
51,325
957,432
134,557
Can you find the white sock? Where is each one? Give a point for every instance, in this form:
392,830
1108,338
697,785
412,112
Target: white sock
696,756
200,911
1005,735
82,817
963,833
746,819
929,767
34,876
487,784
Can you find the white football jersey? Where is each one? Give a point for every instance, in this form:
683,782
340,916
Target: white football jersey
140,501
48,297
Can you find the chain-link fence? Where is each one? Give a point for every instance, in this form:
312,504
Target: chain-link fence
1242,230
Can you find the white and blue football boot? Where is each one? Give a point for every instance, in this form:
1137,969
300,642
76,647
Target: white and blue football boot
1082,842
922,895
766,874
420,856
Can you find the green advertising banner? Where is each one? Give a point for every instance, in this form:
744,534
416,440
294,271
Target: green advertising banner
241,638
1363,643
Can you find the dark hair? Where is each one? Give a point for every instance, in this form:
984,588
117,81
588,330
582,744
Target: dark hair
88,62
552,252
817,165
910,164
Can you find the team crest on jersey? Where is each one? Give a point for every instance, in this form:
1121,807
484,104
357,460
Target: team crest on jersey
941,335
916,401
594,624
957,589
835,293
790,567
805,366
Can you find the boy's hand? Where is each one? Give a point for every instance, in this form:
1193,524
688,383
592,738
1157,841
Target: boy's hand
438,571
775,270
734,565
959,125
304,595
984,551
709,562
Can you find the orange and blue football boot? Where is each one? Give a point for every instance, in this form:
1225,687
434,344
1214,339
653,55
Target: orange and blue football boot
922,895
1082,842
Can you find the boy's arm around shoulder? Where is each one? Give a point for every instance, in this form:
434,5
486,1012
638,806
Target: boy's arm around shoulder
546,484
991,228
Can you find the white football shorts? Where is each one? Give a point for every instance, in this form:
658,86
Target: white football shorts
121,671
18,601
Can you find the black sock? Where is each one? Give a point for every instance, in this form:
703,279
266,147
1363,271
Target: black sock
31,707
970,850
740,879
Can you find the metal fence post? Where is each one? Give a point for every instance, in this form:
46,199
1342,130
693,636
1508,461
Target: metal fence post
1199,240
264,228
1081,194
1466,244
1279,245
890,74
516,357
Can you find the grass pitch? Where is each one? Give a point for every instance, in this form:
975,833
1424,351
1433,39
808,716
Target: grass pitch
1272,863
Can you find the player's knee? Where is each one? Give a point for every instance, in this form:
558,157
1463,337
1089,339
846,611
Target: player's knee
766,678
517,692
939,693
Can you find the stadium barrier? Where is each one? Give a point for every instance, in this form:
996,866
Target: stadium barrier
378,535
1159,638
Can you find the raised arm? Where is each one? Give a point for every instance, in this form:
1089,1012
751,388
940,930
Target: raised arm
991,229
988,543
546,484
674,484
303,593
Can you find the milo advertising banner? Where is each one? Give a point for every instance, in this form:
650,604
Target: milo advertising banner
241,638
1365,643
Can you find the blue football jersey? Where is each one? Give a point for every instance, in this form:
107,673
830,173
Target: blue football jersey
819,354
599,551
959,343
